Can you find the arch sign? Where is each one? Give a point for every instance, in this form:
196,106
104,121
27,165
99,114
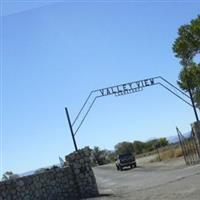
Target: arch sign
124,89
127,88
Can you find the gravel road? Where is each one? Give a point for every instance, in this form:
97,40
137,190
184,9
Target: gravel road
170,180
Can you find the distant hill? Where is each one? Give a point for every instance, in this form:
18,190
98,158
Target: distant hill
174,139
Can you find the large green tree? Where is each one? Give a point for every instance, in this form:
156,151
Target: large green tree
124,147
190,76
162,142
187,47
101,157
139,147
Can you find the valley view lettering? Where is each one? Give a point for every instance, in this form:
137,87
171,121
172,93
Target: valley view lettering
127,88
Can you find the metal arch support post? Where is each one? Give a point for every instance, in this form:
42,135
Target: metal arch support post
82,107
86,114
71,125
189,96
166,81
71,129
173,93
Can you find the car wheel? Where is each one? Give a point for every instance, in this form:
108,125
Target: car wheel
131,166
135,165
121,168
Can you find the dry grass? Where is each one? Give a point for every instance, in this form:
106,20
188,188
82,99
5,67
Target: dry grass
178,152
170,153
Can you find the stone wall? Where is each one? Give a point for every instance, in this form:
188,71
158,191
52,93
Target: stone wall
72,182
85,180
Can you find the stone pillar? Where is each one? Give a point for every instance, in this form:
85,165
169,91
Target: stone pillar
196,131
79,162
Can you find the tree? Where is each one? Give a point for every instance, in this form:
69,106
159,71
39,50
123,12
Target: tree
189,78
197,98
162,142
150,145
138,147
110,156
98,155
124,147
186,47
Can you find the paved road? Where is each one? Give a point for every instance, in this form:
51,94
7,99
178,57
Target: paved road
170,180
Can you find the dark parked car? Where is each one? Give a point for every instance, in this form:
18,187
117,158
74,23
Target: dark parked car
125,160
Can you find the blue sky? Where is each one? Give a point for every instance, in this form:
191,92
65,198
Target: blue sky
54,54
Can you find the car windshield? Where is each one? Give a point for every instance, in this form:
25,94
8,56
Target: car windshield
124,156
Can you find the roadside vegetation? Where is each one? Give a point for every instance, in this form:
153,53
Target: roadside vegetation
138,148
100,156
170,152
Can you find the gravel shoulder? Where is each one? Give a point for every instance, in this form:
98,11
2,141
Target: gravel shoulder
170,180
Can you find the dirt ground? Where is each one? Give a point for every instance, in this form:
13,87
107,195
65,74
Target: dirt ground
170,180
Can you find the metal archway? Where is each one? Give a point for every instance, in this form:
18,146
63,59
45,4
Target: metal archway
124,89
